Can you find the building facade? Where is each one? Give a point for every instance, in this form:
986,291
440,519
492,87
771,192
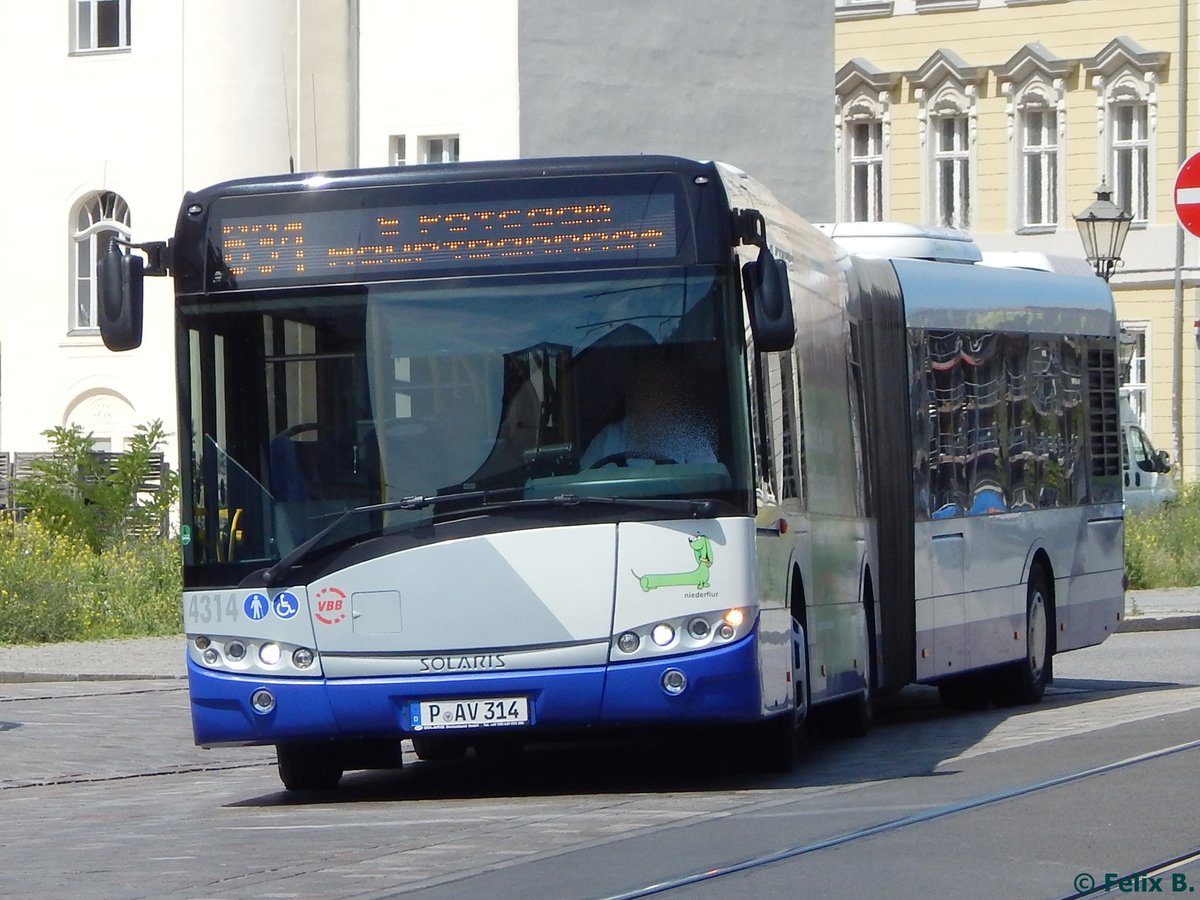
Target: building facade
1002,117
124,105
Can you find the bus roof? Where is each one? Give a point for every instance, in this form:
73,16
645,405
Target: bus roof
985,298
1032,259
893,240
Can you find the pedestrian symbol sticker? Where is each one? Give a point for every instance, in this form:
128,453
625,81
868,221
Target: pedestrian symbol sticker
286,605
256,606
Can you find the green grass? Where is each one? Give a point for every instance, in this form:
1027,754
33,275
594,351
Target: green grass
54,587
1162,547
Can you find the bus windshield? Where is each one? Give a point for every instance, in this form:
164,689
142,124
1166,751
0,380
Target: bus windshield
614,384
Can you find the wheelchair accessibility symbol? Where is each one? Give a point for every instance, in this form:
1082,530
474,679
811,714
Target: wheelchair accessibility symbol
285,604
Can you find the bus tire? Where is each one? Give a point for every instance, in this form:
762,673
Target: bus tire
1024,682
309,766
856,715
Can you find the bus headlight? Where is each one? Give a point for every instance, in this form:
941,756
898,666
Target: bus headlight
662,634
247,656
303,658
270,654
693,632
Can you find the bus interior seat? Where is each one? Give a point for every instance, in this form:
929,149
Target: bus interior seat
295,465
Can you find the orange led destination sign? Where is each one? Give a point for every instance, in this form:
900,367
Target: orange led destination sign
359,243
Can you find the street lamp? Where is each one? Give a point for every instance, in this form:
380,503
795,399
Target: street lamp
1103,227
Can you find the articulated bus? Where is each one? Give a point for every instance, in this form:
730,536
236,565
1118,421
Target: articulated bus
483,454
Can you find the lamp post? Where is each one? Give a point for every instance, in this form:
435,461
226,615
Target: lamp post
1103,227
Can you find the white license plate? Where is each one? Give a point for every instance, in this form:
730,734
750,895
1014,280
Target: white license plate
485,712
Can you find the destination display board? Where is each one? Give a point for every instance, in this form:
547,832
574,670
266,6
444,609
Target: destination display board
349,236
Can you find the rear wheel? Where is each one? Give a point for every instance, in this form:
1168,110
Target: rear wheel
1024,681
309,766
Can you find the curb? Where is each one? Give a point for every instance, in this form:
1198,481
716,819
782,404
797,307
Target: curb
44,677
1176,622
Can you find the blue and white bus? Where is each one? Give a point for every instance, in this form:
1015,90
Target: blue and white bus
489,453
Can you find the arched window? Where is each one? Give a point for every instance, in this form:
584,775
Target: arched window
98,219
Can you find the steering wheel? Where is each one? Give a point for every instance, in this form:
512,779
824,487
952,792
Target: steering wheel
622,459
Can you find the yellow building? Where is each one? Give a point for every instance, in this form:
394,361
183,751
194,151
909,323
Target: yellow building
1001,117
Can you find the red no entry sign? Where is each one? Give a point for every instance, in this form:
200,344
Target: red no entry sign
1187,194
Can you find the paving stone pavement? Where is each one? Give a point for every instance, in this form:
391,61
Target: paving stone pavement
164,657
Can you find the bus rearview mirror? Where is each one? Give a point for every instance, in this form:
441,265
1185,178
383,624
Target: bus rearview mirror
769,303
120,301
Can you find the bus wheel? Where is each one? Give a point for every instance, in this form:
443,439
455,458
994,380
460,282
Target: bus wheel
434,748
309,767
857,714
1024,681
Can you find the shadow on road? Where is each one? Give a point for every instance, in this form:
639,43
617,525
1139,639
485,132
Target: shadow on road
914,735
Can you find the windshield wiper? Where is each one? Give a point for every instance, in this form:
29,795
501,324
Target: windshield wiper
490,500
271,577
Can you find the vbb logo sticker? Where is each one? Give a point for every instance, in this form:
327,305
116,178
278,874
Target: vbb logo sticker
331,606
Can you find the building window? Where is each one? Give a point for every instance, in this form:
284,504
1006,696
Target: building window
1131,158
866,171
862,135
396,150
98,219
1039,167
1135,387
100,25
952,172
1126,77
440,149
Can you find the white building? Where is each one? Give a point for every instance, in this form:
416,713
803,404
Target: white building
116,108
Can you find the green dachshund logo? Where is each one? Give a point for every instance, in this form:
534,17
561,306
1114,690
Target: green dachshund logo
697,577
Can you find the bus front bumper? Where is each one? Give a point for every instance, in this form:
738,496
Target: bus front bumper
720,685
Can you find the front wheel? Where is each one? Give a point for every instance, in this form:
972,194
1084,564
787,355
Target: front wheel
309,766
1024,681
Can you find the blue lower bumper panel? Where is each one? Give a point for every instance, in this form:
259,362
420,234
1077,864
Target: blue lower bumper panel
721,685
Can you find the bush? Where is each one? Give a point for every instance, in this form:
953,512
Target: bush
86,558
53,587
1162,546
97,499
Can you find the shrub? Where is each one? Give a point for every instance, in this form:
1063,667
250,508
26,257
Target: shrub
1162,546
86,560
53,587
94,498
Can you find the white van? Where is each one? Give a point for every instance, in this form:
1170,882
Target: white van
1148,482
